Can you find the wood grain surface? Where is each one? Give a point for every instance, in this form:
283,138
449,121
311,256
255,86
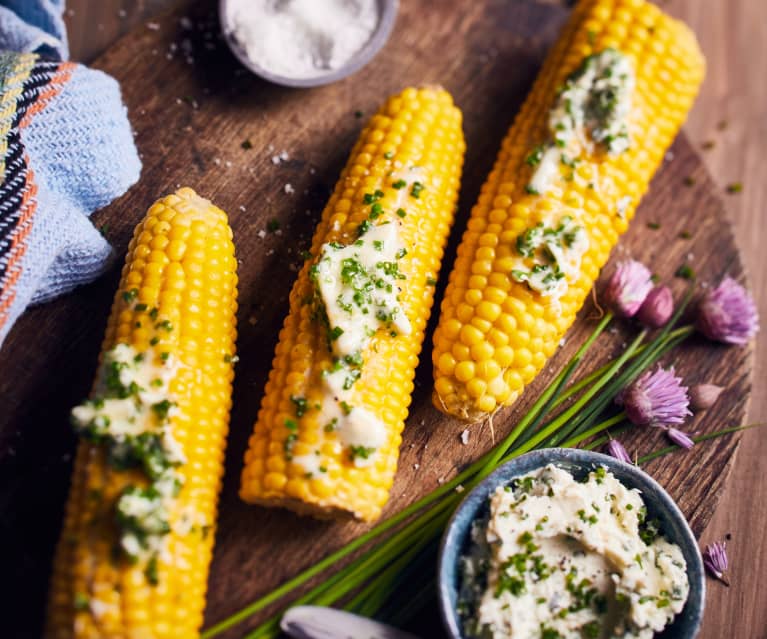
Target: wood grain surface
182,131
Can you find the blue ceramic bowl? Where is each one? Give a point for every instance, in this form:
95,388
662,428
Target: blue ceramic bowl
579,463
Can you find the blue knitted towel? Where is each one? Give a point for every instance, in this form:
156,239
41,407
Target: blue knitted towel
66,149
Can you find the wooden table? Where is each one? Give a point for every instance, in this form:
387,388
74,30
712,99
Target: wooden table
728,125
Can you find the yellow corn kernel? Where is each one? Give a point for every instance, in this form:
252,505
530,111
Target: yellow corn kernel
669,68
418,128
93,593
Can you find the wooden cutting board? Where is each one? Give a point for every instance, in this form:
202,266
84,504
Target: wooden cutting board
202,120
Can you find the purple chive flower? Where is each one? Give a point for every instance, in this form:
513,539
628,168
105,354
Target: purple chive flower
680,438
728,314
657,308
703,396
715,561
617,450
655,398
628,287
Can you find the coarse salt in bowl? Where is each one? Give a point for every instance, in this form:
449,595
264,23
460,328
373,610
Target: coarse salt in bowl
306,43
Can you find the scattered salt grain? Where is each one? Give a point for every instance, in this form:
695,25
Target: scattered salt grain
153,26
262,234
465,437
289,189
459,488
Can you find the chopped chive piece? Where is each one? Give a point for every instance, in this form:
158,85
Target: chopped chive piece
358,114
401,212
416,190
653,225
82,602
273,225
389,155
399,184
151,571
685,235
685,272
246,144
130,295
735,187
689,181
535,156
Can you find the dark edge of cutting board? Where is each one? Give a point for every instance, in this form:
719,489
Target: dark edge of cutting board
190,122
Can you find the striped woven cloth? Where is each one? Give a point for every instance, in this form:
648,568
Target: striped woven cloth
66,149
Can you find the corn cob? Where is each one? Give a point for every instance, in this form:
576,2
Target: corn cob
167,365
318,448
499,323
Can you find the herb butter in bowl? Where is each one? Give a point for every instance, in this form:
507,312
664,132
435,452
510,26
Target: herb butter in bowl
570,544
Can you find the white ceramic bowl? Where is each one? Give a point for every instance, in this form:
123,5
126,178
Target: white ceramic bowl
387,16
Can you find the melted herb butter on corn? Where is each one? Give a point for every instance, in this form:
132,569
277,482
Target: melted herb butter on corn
358,288
567,559
550,253
129,416
595,100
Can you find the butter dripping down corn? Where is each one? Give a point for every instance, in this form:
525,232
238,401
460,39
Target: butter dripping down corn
417,130
494,333
180,272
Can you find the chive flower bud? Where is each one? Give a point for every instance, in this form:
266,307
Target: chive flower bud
703,396
680,438
728,314
617,450
655,399
715,561
657,308
628,288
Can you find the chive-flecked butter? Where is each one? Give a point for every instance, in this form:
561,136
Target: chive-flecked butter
559,558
